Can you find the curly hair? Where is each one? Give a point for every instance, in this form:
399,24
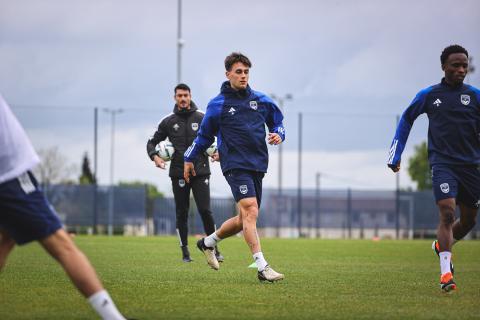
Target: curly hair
455,48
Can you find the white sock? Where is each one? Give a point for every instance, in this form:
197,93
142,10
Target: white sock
260,261
212,240
445,257
103,304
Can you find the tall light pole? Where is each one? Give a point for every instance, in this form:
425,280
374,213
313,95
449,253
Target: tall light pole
281,101
113,113
180,42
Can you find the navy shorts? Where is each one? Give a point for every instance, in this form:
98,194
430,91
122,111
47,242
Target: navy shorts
459,182
25,212
245,184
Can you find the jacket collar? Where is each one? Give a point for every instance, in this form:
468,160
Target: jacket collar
193,108
445,84
228,90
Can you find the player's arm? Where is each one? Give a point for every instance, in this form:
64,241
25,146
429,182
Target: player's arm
274,123
205,138
416,108
159,135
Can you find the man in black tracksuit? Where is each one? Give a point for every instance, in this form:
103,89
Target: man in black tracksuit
181,128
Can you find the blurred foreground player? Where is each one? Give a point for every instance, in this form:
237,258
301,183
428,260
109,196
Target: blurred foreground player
25,215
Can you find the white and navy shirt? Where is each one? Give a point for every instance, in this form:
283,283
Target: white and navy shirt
16,151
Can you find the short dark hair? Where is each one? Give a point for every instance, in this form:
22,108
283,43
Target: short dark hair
454,48
181,86
235,57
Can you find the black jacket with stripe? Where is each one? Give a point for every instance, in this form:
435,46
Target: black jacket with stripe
181,128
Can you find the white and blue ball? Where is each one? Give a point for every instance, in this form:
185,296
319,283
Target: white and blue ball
165,150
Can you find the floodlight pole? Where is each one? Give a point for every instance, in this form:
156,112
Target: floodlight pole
397,199
95,170
299,188
281,101
111,198
180,42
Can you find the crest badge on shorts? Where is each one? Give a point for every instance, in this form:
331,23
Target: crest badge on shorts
195,126
181,183
445,187
253,105
243,189
465,99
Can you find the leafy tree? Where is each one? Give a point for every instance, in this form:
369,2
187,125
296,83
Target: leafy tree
87,176
419,168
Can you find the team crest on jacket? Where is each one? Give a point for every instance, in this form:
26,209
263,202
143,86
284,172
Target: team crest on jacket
195,126
445,187
176,126
181,183
243,189
253,105
465,99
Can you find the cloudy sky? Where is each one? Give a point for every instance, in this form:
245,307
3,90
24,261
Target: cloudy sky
351,67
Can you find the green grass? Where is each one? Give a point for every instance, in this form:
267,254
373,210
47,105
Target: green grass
325,279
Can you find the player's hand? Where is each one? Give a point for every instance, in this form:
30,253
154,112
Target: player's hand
159,163
395,167
187,170
215,157
274,138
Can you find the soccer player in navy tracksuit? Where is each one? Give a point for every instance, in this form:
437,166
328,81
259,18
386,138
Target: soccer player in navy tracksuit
237,116
26,215
453,110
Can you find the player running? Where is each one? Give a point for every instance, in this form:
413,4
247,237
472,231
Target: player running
237,116
453,110
25,215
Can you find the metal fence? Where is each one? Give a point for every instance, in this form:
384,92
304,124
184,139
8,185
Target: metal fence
325,214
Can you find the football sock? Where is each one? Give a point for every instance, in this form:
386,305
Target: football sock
103,304
445,257
212,240
260,261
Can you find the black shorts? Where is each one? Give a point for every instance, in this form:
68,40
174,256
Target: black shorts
25,212
245,184
459,182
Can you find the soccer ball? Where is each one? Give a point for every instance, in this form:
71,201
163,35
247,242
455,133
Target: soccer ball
165,150
212,149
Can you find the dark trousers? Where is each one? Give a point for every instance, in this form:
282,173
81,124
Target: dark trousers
200,186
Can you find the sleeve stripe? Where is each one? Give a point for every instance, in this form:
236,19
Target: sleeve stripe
393,149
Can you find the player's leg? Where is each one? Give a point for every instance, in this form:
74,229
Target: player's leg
445,188
201,194
76,265
61,247
29,216
249,212
181,193
466,222
468,201
446,209
6,246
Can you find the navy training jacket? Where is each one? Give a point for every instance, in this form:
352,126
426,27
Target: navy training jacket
237,119
454,125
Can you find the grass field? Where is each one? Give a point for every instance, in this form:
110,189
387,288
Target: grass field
325,279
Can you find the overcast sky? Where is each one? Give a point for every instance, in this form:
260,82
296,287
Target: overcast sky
351,66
